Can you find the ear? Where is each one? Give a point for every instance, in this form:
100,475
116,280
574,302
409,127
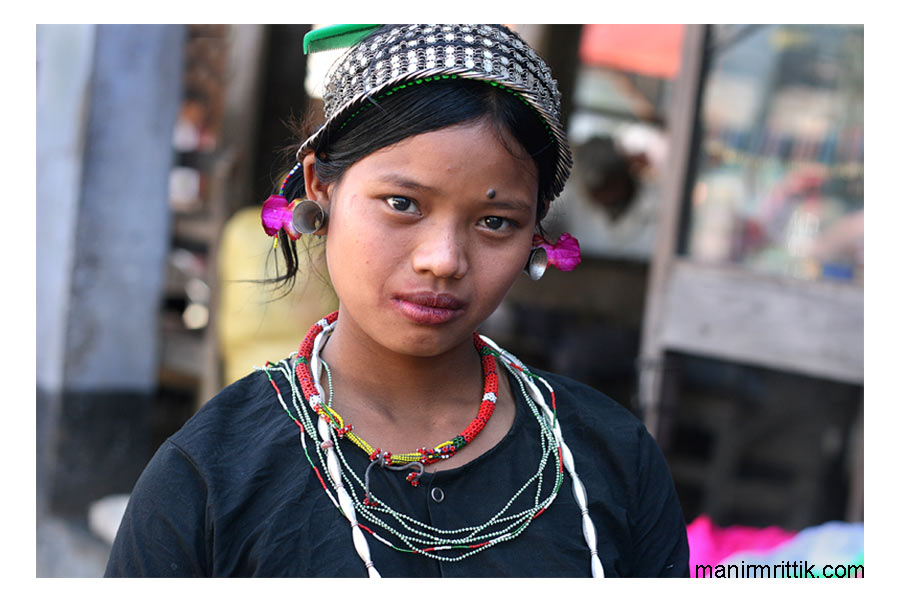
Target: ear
316,190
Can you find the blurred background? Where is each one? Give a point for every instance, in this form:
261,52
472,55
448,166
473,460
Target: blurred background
717,194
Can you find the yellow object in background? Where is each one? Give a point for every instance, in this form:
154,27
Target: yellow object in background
254,324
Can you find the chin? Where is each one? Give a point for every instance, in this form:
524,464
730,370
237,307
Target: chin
429,341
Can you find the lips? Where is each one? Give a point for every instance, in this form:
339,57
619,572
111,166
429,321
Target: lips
425,307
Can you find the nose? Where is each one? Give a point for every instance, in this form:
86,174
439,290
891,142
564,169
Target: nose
442,253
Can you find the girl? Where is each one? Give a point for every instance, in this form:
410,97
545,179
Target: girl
440,154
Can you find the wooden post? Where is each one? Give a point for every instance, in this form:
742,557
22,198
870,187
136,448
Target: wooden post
682,120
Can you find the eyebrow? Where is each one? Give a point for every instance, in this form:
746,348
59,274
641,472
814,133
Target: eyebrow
404,182
512,204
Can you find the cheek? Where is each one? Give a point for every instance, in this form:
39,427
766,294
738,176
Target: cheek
356,252
498,273
341,250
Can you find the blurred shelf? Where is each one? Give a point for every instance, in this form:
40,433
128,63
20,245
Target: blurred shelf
196,230
181,359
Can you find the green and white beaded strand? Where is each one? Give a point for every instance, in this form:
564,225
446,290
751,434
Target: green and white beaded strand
587,525
436,539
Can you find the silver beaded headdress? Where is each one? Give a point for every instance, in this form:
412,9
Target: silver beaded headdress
395,57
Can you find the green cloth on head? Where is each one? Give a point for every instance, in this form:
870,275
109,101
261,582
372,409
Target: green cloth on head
335,36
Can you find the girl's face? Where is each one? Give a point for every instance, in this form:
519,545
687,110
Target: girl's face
418,250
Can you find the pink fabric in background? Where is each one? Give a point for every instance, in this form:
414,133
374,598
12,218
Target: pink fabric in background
711,544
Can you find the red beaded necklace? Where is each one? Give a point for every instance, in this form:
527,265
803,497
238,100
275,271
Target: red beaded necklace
424,455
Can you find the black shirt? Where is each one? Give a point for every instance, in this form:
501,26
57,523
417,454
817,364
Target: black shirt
232,494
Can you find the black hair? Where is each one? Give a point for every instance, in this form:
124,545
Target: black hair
421,108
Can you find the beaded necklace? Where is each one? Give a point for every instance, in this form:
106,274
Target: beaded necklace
400,531
422,455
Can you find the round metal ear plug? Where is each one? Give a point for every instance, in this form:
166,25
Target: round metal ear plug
308,217
537,263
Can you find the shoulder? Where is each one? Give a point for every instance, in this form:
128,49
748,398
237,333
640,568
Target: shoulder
586,412
232,464
246,410
606,439
236,433
581,394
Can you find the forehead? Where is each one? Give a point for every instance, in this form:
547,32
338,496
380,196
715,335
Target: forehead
464,159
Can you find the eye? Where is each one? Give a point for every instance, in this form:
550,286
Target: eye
402,204
493,222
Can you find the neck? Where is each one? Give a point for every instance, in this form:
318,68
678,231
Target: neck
398,384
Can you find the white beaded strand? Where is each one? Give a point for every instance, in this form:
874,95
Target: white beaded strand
334,469
578,489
